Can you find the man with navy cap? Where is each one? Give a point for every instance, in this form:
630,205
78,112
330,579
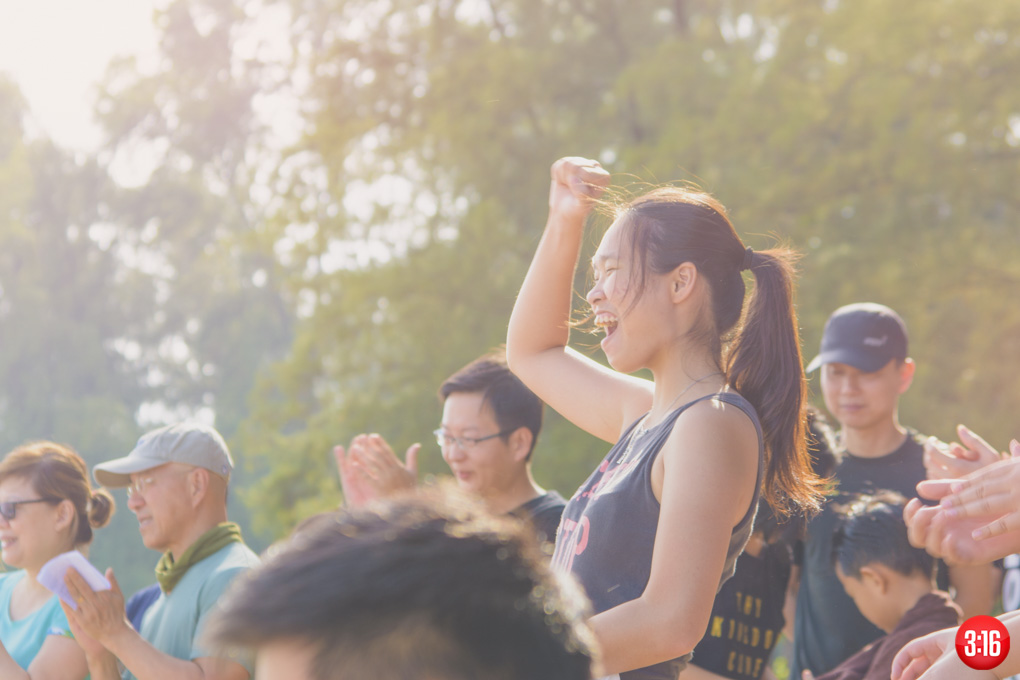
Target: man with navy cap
865,368
176,479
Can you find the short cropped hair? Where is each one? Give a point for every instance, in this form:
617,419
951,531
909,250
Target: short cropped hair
512,403
421,586
870,530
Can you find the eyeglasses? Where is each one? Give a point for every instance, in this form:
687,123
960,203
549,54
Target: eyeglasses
140,485
9,510
446,440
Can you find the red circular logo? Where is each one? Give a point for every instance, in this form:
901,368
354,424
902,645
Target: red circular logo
982,642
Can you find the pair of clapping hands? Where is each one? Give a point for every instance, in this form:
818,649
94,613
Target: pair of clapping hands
977,521
369,469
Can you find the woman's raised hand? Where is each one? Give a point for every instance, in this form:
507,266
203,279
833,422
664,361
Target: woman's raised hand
575,182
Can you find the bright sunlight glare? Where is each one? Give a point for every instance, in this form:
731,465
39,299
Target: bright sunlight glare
57,51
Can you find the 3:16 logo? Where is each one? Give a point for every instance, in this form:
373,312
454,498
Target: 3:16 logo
982,642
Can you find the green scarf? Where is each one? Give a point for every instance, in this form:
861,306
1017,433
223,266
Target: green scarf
169,571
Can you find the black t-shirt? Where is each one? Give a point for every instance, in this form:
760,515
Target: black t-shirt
544,513
747,616
828,627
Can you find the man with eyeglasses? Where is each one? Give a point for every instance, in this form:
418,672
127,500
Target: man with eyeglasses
488,432
176,479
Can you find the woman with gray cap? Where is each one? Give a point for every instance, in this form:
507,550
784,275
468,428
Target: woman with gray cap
47,507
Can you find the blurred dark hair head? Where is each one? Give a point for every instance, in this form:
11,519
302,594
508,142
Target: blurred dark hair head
424,586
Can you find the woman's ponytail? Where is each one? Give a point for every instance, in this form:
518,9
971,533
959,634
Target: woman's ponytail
764,365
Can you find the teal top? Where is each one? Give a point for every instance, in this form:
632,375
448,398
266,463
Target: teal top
174,622
23,638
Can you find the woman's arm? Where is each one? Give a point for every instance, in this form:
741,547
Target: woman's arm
596,399
59,658
709,465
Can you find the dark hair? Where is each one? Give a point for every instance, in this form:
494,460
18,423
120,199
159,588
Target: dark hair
760,348
513,404
824,459
56,471
870,529
424,586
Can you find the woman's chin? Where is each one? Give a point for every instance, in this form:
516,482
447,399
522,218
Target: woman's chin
618,361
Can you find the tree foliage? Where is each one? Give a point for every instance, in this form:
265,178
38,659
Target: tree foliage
878,138
307,291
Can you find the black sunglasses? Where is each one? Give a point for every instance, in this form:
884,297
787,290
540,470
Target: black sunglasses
10,509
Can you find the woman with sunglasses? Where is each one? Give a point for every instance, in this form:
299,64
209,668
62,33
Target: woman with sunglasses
47,507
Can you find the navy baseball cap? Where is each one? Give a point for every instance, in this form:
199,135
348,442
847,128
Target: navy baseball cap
865,335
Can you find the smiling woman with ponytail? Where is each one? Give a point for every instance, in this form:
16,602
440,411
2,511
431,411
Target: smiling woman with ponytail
657,528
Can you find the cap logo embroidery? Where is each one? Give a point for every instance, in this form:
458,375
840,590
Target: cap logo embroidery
876,342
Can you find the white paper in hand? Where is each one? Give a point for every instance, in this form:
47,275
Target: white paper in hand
52,575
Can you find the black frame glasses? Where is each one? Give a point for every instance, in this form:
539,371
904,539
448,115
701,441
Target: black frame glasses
465,443
9,509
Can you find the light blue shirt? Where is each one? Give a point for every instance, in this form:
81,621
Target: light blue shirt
23,638
174,622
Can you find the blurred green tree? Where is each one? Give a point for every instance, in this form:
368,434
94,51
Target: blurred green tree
879,138
65,304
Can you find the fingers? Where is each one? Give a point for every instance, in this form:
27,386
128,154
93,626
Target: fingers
1003,525
374,456
915,530
591,180
975,503
77,587
913,670
350,478
916,656
923,526
997,479
380,445
387,472
411,459
935,489
992,490
377,457
114,586
979,447
1014,448
583,176
952,461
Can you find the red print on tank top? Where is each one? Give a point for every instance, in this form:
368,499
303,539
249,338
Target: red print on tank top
574,539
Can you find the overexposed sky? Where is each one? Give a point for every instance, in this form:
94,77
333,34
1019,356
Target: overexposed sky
58,50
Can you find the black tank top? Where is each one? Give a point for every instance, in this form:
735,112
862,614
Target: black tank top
607,532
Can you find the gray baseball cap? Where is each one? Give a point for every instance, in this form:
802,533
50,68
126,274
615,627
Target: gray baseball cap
189,442
865,335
